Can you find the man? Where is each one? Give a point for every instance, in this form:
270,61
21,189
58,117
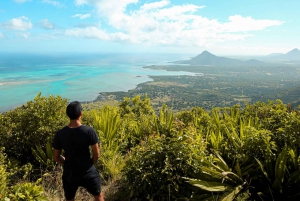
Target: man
78,167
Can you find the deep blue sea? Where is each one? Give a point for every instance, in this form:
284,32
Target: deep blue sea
74,76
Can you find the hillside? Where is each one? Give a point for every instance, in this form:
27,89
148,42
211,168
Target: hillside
208,59
293,55
167,148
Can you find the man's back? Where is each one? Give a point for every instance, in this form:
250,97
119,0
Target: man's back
76,142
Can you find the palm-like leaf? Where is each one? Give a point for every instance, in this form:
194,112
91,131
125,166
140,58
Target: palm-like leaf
44,157
216,177
107,122
211,186
165,121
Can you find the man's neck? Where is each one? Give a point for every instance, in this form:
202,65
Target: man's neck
74,123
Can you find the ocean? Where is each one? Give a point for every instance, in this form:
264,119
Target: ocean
75,76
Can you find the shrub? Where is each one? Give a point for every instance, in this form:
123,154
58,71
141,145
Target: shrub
27,192
3,175
155,167
138,121
31,124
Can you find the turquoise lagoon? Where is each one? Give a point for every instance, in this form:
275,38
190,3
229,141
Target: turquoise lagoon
75,76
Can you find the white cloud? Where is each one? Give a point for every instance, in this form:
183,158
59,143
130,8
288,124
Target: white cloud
1,35
22,1
20,24
89,32
82,16
160,23
81,2
46,24
54,3
155,5
239,23
23,34
107,7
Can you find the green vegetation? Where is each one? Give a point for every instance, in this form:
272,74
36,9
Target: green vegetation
248,152
29,126
218,86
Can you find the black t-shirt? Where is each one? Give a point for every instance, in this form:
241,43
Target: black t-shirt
76,142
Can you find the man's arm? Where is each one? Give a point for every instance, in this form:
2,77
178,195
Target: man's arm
58,158
96,153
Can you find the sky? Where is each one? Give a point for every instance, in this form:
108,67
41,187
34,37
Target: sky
232,27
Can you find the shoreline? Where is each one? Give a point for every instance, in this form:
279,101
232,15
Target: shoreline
133,82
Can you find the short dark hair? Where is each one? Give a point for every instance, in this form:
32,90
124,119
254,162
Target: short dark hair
73,110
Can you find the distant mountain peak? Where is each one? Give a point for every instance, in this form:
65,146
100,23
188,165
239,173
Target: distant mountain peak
208,59
294,50
205,52
291,55
204,55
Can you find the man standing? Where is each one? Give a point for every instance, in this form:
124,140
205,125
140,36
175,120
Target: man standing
78,167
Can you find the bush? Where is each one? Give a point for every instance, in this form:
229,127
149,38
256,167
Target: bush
3,175
155,167
27,192
138,121
31,124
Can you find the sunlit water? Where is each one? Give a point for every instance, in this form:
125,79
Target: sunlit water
76,77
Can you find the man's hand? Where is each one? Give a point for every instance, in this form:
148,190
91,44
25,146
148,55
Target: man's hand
58,158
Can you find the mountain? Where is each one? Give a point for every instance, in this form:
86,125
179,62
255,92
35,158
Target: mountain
274,54
208,59
291,55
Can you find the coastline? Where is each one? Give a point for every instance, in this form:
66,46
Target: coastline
84,87
73,75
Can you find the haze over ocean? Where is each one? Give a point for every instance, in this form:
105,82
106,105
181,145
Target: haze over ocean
74,76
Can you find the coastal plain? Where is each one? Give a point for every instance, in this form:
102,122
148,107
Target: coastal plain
214,86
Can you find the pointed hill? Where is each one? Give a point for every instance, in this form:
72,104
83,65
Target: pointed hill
293,55
208,59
